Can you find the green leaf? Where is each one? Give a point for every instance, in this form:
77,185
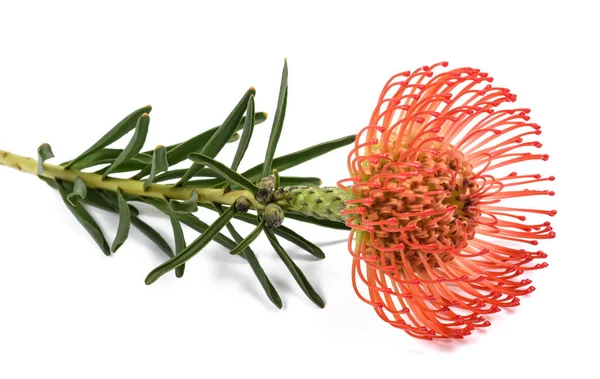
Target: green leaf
124,222
276,179
134,146
44,153
223,170
187,206
283,232
290,160
219,139
277,122
260,274
323,223
178,235
246,135
159,164
285,181
84,218
295,270
118,131
178,173
191,221
193,248
79,192
146,229
104,156
178,152
249,239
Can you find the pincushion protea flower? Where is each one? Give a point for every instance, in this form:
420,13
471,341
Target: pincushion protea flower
436,242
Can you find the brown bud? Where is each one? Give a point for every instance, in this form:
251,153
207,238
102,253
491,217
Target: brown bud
273,215
242,204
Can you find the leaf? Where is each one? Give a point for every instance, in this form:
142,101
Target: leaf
44,153
178,152
285,181
79,192
295,270
290,160
249,239
146,229
178,173
191,221
262,277
118,131
134,146
285,233
246,135
276,179
124,222
277,122
222,134
192,249
224,171
84,218
187,206
324,223
159,164
178,235
105,156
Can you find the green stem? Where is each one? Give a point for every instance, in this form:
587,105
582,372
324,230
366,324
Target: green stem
324,203
127,186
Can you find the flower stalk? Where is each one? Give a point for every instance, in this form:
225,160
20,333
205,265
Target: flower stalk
127,186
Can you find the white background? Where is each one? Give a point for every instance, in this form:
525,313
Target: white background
70,71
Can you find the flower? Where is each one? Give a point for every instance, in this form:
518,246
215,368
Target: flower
439,237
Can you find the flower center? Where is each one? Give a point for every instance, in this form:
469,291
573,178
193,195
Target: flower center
422,206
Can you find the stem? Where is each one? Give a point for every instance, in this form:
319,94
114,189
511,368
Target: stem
127,186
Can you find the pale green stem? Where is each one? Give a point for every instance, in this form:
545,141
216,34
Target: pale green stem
127,186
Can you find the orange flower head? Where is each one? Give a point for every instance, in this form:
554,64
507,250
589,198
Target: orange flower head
439,238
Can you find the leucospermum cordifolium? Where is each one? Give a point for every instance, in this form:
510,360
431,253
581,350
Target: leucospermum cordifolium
439,237
435,243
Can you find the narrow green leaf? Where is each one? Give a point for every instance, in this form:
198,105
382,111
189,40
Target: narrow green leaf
249,239
124,222
44,153
295,270
79,192
283,232
277,122
134,146
118,131
246,135
186,206
276,179
290,160
147,230
221,135
159,164
84,218
223,170
191,221
193,248
178,173
234,138
95,199
178,236
259,272
178,152
324,223
206,183
285,181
